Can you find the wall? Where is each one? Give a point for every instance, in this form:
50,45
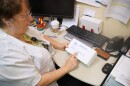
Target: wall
111,27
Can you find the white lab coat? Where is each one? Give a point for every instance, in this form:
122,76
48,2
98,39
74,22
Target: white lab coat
22,64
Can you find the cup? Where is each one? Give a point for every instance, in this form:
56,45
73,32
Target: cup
55,26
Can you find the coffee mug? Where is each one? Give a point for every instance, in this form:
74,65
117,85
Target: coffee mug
55,26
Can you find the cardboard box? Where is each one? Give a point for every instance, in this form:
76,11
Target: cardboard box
91,24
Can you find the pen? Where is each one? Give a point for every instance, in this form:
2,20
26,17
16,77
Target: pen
88,15
43,31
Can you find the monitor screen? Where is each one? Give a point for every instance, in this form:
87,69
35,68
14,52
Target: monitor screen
53,8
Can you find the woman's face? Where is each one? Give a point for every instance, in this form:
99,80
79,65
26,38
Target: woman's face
22,20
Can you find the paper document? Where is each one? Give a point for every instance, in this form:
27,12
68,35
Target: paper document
121,71
89,12
74,21
123,80
85,53
119,9
124,76
89,2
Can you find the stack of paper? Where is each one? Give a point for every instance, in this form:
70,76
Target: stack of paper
85,53
121,72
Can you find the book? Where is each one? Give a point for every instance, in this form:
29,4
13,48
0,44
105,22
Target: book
85,54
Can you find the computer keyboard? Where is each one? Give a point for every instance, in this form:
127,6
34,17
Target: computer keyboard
97,39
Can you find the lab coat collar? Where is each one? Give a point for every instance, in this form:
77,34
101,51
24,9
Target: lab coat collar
4,35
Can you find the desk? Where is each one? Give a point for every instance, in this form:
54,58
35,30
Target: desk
92,75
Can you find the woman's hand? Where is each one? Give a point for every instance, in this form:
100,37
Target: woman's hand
62,46
71,62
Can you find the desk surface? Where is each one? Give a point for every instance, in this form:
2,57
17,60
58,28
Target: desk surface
92,75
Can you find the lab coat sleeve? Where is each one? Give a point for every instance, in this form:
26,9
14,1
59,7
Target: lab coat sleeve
35,33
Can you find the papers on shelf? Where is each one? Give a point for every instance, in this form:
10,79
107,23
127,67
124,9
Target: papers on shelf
85,53
89,2
121,71
119,9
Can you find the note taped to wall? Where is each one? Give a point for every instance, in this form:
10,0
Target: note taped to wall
119,9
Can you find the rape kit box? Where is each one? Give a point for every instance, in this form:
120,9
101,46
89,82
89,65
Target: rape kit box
91,24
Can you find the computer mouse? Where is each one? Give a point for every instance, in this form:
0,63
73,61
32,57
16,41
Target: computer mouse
107,68
115,44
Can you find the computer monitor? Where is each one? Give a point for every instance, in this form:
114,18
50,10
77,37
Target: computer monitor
53,8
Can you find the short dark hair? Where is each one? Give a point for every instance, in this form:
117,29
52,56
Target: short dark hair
8,9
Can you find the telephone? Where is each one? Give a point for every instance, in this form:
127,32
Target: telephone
114,44
126,46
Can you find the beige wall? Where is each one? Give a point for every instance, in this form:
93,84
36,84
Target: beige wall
111,26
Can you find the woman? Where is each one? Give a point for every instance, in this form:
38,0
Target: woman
22,63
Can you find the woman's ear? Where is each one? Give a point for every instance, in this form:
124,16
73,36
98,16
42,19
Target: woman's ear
8,22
